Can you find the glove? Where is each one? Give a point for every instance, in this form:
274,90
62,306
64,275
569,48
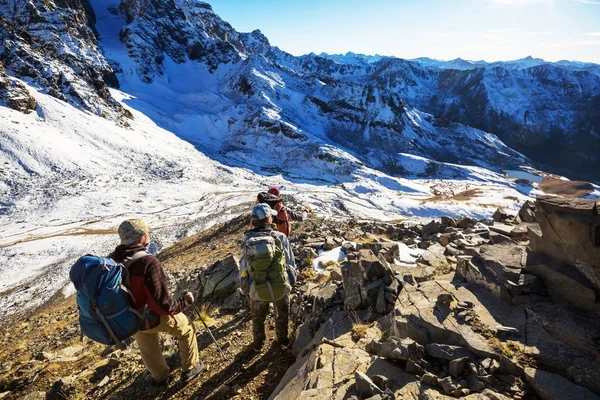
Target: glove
308,209
188,297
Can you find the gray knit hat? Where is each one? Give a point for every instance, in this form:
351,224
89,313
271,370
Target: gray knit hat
132,230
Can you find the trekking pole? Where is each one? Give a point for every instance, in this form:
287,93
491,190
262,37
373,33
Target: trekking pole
208,330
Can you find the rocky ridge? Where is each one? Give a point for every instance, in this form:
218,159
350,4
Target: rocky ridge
449,309
53,45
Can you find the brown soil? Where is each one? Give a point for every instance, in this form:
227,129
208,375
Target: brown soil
574,189
462,196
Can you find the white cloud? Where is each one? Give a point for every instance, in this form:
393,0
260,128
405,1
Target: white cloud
575,43
536,33
591,34
595,2
523,1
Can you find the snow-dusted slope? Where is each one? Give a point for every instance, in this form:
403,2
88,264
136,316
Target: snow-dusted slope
203,119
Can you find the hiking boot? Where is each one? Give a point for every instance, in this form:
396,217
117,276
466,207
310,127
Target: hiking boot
284,344
250,348
187,376
160,385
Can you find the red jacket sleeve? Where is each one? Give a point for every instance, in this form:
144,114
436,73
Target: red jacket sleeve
157,292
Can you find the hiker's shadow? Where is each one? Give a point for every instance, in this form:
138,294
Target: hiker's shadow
144,388
244,368
203,337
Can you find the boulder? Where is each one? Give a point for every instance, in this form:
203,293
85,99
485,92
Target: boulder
221,279
527,212
570,233
303,338
566,283
365,386
550,386
434,256
500,215
355,295
466,222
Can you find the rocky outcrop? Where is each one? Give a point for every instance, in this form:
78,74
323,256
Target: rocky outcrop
570,233
14,94
53,44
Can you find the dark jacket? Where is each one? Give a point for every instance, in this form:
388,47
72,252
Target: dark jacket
148,282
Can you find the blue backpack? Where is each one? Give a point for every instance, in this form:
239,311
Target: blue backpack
103,299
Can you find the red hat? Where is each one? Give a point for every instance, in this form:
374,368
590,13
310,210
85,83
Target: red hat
274,190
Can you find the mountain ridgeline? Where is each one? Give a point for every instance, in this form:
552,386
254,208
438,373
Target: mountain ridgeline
376,107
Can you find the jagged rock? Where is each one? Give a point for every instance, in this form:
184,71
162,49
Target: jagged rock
221,279
381,381
371,265
418,317
448,222
448,386
466,222
557,335
527,212
554,387
565,282
392,347
303,337
430,379
570,234
492,366
431,228
492,267
233,302
365,386
62,389
499,238
500,215
474,384
355,294
434,256
414,368
14,94
456,366
446,352
518,233
403,254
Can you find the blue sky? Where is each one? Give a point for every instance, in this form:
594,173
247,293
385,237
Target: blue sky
490,30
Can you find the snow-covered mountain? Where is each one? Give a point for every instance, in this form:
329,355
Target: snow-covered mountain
159,108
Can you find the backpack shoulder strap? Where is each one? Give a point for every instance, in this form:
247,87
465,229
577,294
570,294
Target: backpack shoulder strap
135,257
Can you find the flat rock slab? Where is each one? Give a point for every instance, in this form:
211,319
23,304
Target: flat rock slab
552,204
554,387
328,372
419,317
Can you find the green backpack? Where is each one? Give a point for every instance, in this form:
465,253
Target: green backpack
266,265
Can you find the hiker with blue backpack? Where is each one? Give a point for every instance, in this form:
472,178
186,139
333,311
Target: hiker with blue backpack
268,272
126,294
148,285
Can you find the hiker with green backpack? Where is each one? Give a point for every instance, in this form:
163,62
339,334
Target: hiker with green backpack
268,272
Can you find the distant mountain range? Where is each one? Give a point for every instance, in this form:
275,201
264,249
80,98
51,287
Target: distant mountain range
242,91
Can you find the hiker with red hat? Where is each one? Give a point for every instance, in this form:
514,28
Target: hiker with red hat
272,197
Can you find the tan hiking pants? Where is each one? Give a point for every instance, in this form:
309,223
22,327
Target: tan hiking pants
176,325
